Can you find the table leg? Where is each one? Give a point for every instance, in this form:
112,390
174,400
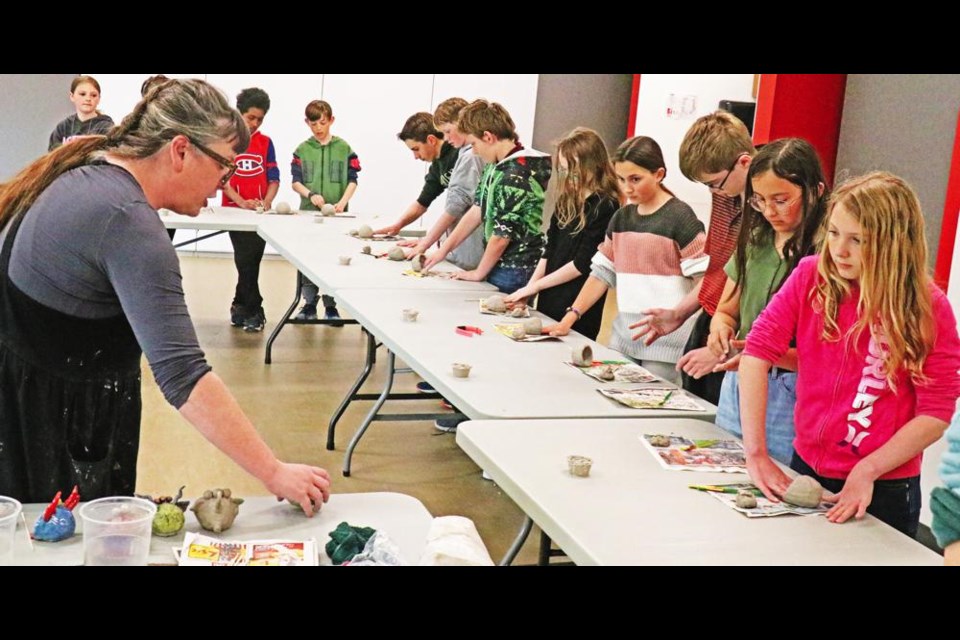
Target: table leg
514,549
367,368
391,362
286,317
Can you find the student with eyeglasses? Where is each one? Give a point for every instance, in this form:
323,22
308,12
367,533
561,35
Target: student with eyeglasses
588,198
878,350
786,197
89,282
716,151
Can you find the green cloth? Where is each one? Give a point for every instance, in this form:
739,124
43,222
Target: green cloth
347,541
766,269
325,168
510,195
945,505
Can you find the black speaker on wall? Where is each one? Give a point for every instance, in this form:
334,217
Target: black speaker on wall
744,111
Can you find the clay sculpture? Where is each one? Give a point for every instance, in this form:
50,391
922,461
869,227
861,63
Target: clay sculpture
533,326
495,303
282,208
410,315
328,210
396,254
804,491
746,499
344,260
517,312
216,510
57,523
367,249
579,466
658,440
418,261
170,518
461,370
607,372
582,355
365,231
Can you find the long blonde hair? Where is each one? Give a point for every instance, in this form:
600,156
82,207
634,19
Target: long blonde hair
192,108
589,171
895,298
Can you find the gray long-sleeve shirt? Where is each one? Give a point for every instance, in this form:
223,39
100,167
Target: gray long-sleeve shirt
92,247
460,195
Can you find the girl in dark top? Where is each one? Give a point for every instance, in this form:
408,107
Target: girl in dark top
89,279
85,96
588,197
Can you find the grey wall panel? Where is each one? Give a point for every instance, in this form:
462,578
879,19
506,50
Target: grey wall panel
31,105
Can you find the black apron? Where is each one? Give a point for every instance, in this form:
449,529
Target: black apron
69,398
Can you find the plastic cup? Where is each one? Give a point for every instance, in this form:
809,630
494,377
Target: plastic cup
116,531
9,516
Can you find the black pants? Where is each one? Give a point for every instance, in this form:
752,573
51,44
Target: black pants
896,502
247,253
707,387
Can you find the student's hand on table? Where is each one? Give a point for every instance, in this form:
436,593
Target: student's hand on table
317,200
268,205
656,324
340,207
466,276
248,204
854,498
719,341
415,251
433,260
556,330
767,476
730,364
392,230
698,363
407,243
520,296
300,483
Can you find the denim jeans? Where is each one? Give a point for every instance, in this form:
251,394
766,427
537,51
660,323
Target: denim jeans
896,502
781,399
509,279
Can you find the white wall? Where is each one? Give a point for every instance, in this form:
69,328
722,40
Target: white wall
707,90
370,110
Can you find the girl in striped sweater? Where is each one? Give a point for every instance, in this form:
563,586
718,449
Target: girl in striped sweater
652,254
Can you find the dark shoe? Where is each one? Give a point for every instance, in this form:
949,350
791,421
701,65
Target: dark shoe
307,312
425,387
256,322
448,425
236,315
333,315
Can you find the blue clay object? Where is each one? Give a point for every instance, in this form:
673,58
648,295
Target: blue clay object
60,526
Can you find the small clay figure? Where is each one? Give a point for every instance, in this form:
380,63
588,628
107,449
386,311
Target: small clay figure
344,260
461,370
746,499
367,249
169,519
518,312
365,231
282,208
533,326
216,510
495,303
579,465
397,254
659,440
804,491
607,372
582,355
410,315
329,210
57,523
418,261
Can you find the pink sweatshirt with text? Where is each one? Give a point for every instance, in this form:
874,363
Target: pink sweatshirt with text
845,409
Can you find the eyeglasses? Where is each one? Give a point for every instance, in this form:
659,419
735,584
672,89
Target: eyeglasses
219,159
718,187
781,207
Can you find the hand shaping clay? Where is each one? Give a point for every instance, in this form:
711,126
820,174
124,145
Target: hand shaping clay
365,231
282,208
495,303
804,491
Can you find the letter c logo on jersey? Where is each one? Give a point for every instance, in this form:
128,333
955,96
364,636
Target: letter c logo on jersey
249,165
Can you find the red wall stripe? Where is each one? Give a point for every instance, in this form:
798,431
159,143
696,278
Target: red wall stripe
951,208
634,100
761,120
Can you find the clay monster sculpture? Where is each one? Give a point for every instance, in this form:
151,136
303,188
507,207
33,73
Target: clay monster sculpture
57,523
169,519
216,510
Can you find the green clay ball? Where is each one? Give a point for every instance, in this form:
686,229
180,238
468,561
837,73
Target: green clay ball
168,521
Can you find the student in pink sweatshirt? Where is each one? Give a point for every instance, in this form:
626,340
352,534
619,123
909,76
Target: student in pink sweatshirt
878,356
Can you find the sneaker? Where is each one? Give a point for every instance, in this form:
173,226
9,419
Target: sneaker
236,315
425,387
256,322
333,315
447,425
446,404
307,312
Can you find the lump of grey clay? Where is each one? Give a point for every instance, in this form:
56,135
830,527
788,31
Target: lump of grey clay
533,326
659,440
518,312
365,231
418,261
366,249
397,254
746,499
804,491
282,208
607,373
328,209
354,232
517,331
495,303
